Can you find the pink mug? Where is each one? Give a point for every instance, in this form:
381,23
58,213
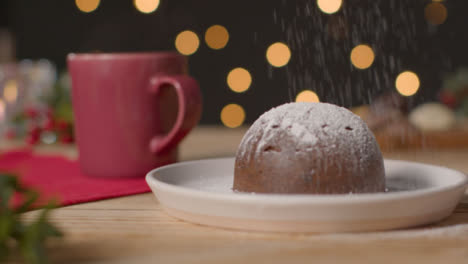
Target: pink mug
131,110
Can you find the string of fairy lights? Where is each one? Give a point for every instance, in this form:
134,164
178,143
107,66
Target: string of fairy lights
278,54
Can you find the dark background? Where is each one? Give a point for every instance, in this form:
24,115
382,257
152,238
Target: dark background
53,28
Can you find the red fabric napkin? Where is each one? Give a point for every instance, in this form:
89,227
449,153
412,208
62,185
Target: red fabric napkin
56,177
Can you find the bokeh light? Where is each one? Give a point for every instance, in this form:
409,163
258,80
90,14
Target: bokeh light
233,115
187,42
10,91
87,6
407,83
146,6
239,80
216,37
329,6
2,110
362,56
307,96
278,54
435,13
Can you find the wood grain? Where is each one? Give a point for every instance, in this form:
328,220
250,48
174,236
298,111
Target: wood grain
134,229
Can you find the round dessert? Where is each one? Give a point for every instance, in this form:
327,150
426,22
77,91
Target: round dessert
309,148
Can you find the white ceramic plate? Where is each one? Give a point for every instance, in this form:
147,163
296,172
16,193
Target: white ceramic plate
200,192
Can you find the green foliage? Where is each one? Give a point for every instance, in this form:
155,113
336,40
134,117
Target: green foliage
60,99
28,237
463,108
456,81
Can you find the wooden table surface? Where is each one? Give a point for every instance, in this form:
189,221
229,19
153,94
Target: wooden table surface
135,229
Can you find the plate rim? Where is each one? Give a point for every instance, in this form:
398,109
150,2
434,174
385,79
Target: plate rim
297,199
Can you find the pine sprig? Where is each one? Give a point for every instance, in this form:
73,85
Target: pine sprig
29,238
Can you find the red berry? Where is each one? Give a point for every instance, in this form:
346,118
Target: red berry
67,139
32,139
34,130
448,99
10,134
49,124
62,125
31,112
50,113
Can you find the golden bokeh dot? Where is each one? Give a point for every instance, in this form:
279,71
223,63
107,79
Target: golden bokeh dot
187,42
233,115
362,56
239,80
329,6
407,83
87,6
435,13
146,6
10,91
216,37
278,54
307,96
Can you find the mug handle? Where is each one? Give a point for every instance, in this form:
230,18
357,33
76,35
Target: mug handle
189,110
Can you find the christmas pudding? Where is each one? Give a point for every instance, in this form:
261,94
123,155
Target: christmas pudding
309,148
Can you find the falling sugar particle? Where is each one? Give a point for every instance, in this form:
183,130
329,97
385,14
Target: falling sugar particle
322,44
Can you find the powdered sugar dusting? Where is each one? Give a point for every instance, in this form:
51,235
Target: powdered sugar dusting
310,123
447,232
